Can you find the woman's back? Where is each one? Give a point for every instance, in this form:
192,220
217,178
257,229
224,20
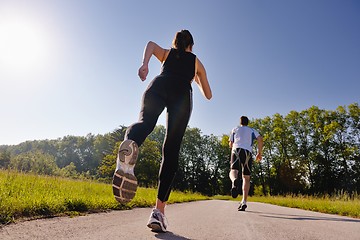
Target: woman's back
179,65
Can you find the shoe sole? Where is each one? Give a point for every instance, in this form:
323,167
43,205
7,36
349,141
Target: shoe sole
234,193
124,182
156,227
242,208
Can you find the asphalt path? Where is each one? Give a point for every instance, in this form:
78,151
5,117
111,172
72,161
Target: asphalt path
213,219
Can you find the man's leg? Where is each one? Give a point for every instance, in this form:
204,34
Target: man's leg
233,174
246,164
234,182
245,187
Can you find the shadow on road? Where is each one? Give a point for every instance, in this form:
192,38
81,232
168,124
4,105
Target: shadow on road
304,217
171,236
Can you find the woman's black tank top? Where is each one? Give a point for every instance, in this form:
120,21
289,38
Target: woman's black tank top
179,65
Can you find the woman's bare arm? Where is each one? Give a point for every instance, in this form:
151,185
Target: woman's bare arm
201,80
151,49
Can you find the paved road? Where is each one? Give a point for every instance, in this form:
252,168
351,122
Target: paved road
213,219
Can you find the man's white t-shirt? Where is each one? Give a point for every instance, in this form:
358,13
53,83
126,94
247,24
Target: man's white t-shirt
243,137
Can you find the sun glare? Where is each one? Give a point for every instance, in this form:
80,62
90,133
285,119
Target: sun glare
24,48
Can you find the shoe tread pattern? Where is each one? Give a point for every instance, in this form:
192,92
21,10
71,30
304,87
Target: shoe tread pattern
124,182
124,186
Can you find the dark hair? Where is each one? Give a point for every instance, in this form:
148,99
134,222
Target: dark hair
182,40
244,120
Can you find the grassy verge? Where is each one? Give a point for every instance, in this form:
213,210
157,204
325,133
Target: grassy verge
340,204
31,196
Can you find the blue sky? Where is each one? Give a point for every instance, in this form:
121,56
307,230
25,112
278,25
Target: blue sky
70,67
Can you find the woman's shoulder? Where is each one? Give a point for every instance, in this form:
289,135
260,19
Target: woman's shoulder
182,52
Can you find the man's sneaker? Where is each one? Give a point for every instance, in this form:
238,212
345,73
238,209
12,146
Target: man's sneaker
157,221
124,181
242,207
234,190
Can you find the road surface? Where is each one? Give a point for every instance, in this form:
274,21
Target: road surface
213,219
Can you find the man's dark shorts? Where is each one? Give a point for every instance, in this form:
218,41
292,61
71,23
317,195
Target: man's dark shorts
241,157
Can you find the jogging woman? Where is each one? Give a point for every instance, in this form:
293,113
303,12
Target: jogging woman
171,90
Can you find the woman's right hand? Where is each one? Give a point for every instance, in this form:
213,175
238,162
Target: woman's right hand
143,72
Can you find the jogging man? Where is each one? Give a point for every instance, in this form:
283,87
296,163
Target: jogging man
241,141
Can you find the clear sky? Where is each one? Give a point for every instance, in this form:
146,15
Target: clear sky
70,67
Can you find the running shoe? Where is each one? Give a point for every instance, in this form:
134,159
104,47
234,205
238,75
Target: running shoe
124,181
242,207
157,221
234,190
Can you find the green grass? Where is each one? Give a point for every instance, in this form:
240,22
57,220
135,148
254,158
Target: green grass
32,196
339,204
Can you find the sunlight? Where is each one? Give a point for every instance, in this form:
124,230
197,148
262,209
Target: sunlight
24,47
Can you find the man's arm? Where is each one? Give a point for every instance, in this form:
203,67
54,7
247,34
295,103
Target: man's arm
260,143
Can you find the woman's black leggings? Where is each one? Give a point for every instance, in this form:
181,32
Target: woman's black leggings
178,102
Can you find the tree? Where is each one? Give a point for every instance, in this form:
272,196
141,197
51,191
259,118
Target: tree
4,159
312,151
35,162
148,163
218,164
108,164
189,160
69,171
265,168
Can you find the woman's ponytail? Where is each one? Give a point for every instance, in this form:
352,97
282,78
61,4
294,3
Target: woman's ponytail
182,40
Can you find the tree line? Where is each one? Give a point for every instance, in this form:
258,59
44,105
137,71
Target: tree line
314,151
